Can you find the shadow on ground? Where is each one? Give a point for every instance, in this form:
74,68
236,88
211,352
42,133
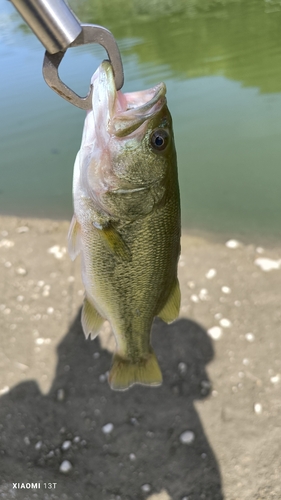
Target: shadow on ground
147,423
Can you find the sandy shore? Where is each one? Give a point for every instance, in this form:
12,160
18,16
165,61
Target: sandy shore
212,431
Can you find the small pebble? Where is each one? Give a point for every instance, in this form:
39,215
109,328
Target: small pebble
108,428
233,244
215,332
237,303
191,284
211,274
76,439
38,445
50,310
22,229
26,440
187,437
182,368
132,456
8,264
258,408
275,379
6,243
225,323
268,264
246,362
66,445
21,271
65,466
260,250
57,251
60,395
203,294
250,337
226,289
194,298
146,488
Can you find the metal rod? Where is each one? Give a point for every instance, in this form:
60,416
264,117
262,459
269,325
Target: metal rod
52,21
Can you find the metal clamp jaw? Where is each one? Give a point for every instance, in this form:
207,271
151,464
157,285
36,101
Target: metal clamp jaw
58,28
90,33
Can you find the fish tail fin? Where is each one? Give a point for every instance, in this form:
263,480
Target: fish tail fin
125,373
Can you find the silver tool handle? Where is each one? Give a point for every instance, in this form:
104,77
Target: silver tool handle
52,21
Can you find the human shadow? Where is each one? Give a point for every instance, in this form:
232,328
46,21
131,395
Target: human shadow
142,454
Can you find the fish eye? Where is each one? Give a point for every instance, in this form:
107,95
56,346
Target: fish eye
159,139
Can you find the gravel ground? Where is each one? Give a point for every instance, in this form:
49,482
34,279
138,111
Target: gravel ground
213,429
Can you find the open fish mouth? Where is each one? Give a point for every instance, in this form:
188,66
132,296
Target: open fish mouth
126,112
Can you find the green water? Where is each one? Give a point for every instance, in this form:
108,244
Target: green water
221,61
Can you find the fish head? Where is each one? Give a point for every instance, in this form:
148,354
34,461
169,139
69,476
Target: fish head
128,137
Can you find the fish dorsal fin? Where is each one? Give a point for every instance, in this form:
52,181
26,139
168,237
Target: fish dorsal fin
91,320
113,241
74,238
171,309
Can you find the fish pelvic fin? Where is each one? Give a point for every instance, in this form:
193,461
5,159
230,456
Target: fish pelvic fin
113,241
91,320
74,238
125,373
171,309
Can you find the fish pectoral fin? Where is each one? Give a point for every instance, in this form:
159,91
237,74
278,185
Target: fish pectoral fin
91,320
74,238
171,309
125,373
113,241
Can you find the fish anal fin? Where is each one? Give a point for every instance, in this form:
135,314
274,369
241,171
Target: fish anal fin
125,373
91,320
74,238
113,241
171,309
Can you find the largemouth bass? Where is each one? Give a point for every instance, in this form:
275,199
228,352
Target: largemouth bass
126,223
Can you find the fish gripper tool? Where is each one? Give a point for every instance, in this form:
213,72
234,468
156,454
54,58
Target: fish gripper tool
57,28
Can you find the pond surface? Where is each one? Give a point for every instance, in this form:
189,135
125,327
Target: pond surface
221,61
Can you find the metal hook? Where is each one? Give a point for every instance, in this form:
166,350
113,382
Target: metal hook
90,33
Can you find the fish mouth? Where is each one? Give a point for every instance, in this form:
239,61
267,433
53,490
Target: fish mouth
128,111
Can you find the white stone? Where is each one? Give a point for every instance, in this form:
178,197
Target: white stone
6,243
187,437
258,408
275,379
4,390
182,367
57,251
225,323
132,456
233,244
194,298
22,229
211,274
250,337
215,332
203,294
268,264
38,445
65,466
108,428
226,289
66,445
260,250
146,488
21,271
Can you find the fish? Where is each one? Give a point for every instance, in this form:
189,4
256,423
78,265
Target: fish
126,223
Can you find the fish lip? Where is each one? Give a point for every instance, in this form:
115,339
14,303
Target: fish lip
130,114
127,111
